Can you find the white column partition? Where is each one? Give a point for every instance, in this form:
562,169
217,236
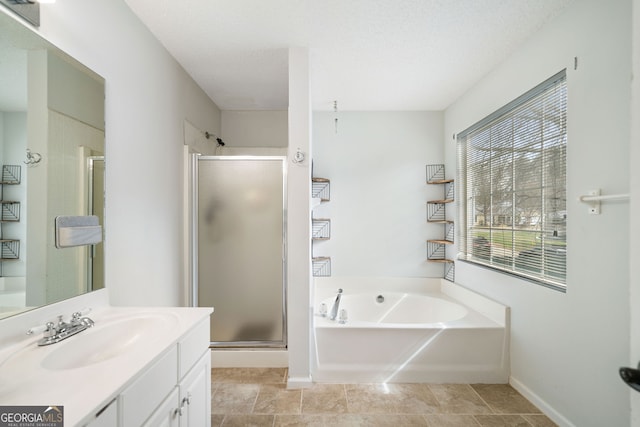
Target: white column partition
299,221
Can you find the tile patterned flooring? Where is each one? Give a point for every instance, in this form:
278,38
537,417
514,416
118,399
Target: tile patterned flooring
259,397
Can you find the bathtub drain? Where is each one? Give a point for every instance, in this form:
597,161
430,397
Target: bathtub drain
379,299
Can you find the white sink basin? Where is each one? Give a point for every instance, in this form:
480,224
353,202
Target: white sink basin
107,340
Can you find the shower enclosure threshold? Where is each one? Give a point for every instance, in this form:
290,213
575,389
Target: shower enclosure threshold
249,358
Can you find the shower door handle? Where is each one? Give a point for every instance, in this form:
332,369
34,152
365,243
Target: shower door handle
631,377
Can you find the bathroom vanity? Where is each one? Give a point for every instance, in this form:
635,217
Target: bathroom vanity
142,366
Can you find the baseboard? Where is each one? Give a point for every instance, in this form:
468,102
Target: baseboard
249,358
299,382
547,409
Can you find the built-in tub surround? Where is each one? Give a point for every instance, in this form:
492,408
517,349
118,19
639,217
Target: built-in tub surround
409,330
89,370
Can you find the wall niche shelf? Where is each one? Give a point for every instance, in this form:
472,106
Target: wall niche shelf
437,214
320,227
9,212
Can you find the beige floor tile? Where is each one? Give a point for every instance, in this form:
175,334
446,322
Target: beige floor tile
502,421
539,421
259,397
305,420
324,399
374,420
248,420
249,375
234,398
413,399
458,399
369,398
276,399
504,399
216,420
451,420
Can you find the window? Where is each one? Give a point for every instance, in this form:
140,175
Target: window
512,174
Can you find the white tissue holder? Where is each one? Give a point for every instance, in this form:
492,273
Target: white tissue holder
77,231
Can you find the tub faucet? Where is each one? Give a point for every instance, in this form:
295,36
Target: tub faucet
336,305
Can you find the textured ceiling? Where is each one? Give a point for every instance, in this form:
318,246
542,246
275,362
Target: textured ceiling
366,54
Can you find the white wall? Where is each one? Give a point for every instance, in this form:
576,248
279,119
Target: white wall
376,163
148,96
566,348
255,128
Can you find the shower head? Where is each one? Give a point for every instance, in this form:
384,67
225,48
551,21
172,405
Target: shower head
218,140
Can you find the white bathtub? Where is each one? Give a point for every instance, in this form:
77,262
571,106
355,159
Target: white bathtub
424,330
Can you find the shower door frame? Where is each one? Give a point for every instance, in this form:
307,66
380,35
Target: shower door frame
195,158
91,210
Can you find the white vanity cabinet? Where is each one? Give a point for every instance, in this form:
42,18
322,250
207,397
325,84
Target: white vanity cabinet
166,415
176,389
189,404
195,394
107,417
136,366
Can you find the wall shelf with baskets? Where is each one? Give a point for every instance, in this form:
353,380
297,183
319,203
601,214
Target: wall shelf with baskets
320,227
9,212
321,189
321,266
437,214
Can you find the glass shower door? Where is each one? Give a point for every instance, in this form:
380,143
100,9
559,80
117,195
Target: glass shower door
240,245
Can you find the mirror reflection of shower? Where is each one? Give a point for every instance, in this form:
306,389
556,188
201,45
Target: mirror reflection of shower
95,186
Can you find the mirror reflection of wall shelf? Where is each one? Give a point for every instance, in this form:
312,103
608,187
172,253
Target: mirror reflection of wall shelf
10,212
436,213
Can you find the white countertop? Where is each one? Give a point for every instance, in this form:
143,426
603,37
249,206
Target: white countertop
82,390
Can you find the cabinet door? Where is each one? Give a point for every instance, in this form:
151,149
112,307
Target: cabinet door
195,394
149,390
167,414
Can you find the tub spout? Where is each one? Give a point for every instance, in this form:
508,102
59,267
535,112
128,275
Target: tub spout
336,305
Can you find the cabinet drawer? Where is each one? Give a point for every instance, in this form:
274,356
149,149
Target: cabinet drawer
107,417
192,346
140,399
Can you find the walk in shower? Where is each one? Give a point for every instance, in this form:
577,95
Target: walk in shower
239,242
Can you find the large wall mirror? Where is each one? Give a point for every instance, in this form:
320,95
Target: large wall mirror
52,160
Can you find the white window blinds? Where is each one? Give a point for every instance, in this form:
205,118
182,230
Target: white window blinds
512,183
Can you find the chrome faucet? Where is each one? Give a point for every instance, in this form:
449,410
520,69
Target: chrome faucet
336,305
54,333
